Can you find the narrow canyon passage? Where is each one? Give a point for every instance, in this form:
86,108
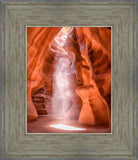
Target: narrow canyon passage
68,79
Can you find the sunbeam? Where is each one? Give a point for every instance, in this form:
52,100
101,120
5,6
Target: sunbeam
66,127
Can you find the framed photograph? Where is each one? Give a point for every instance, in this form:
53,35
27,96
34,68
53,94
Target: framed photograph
69,79
69,74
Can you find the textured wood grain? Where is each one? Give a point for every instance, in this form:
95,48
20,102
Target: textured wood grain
16,143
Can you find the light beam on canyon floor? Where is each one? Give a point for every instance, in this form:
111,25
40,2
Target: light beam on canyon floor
66,127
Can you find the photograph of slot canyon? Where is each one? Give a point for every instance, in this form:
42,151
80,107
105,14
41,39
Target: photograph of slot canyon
68,79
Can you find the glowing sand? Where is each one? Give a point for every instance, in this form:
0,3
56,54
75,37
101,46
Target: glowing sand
66,127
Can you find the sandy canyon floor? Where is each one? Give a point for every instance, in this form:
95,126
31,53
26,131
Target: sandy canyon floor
47,124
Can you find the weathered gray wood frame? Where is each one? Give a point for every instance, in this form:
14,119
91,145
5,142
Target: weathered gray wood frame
16,143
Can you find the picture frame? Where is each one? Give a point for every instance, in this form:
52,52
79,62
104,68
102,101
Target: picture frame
16,142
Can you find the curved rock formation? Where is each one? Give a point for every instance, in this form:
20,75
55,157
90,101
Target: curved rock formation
39,100
94,69
82,56
38,55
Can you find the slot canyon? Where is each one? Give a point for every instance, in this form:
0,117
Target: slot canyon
68,79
